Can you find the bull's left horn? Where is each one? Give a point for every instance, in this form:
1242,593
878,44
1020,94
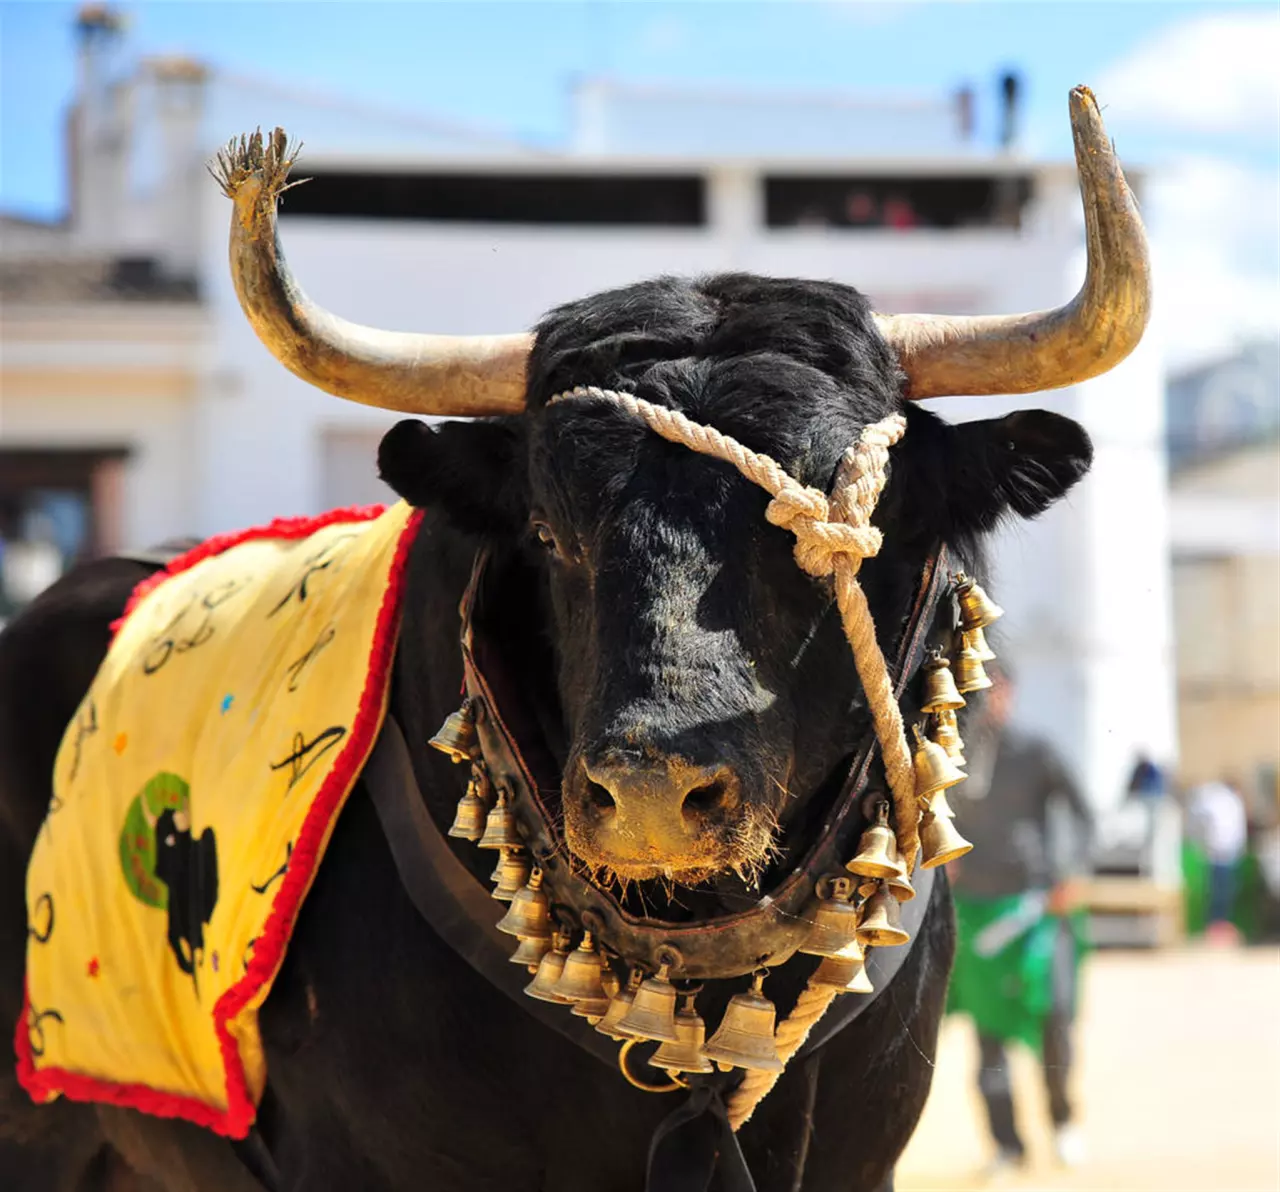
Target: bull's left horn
1097,329
420,374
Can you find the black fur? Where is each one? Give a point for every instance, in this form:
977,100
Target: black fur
660,604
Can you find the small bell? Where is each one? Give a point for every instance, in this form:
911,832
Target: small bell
939,805
745,1037
899,884
457,735
946,733
580,982
939,840
834,924
619,1005
935,771
976,640
530,911
511,874
877,850
531,951
882,921
970,673
940,694
550,967
685,1055
469,818
977,609
500,826
846,973
652,1013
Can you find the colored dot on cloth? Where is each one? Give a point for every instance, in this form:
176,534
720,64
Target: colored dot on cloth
120,742
93,967
227,701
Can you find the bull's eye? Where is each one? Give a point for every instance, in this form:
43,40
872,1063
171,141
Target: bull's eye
545,534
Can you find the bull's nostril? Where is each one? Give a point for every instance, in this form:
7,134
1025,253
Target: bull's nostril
706,798
599,799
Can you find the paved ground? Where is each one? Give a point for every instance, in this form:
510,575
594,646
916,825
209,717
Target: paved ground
1178,1083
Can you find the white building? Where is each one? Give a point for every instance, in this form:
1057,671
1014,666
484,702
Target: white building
415,225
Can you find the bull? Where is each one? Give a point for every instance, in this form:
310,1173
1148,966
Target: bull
689,684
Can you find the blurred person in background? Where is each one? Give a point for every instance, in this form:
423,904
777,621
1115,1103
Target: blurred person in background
1218,822
1019,944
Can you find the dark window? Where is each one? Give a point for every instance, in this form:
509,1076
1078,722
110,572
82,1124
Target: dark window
662,200
899,203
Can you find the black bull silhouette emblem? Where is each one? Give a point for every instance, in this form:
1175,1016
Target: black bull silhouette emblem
189,868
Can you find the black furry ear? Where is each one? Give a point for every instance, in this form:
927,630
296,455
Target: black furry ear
473,471
964,478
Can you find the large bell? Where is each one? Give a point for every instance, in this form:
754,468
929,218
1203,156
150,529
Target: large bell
457,735
935,771
745,1037
976,640
939,840
940,694
619,1005
580,982
530,912
531,951
549,969
511,874
878,849
977,609
469,818
846,973
500,826
881,923
652,1012
685,1054
970,673
834,924
946,733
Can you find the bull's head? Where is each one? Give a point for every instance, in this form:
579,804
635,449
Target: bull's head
706,691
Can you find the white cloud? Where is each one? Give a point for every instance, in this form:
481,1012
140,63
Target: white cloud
1211,74
1215,229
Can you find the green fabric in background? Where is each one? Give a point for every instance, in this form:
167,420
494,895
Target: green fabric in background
1246,909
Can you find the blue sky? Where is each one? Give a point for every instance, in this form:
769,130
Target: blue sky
508,65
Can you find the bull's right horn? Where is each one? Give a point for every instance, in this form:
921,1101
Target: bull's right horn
461,375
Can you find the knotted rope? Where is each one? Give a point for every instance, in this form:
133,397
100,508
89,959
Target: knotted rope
833,536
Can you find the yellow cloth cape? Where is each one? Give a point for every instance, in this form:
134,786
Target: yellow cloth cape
193,796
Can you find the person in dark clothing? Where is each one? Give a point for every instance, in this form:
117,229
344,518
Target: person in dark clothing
1018,952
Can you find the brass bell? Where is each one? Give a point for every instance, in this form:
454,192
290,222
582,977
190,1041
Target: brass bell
511,874
619,1005
939,805
939,840
881,923
685,1055
976,640
940,693
457,735
834,924
530,912
877,850
846,972
582,980
970,673
531,951
977,609
899,884
946,733
652,1012
935,771
469,818
745,1037
500,826
550,967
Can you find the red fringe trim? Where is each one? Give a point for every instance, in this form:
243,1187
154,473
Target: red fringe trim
45,1083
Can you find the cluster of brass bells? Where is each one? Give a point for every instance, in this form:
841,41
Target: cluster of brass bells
977,612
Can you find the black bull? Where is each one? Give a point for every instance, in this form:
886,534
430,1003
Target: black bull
618,560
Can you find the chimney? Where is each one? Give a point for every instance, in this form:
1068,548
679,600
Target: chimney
177,96
97,172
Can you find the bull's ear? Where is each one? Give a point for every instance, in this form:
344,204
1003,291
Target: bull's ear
473,471
962,479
